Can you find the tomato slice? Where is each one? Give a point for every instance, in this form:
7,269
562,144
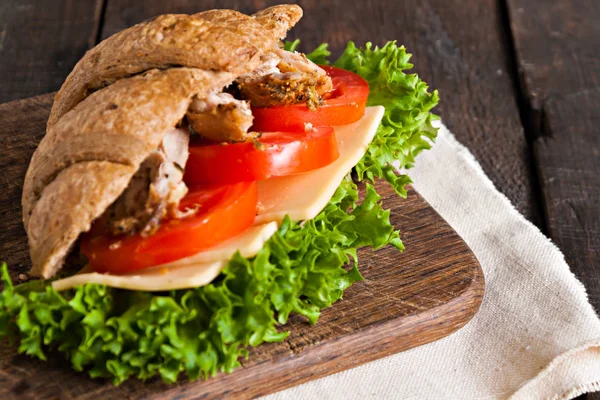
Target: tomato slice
344,105
274,154
223,212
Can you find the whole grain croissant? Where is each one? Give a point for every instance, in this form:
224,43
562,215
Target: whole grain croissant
117,105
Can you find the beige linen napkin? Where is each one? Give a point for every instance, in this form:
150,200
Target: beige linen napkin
535,336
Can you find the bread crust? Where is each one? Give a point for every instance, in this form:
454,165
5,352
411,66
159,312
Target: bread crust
69,204
116,106
215,40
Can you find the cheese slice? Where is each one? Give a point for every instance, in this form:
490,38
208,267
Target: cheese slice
197,270
248,243
303,196
151,280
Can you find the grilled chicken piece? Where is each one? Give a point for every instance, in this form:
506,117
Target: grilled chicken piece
221,117
283,78
154,191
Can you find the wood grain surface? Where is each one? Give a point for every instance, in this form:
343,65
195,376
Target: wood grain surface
569,162
556,47
407,299
556,43
40,42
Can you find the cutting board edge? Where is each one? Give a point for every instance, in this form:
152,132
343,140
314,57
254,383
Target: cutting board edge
255,382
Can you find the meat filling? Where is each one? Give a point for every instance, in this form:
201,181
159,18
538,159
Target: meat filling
285,78
221,118
154,191
157,187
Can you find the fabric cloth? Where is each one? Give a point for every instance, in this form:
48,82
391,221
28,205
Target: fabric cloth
535,336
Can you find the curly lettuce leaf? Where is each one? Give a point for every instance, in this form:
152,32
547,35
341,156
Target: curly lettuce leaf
406,128
120,334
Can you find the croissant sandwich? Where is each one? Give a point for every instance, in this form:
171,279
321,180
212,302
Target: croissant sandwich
198,183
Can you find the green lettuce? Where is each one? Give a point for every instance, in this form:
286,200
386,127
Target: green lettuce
304,268
406,128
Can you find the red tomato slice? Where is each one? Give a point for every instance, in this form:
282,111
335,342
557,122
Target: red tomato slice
223,212
344,105
274,154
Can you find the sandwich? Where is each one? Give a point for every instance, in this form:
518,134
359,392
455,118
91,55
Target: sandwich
198,183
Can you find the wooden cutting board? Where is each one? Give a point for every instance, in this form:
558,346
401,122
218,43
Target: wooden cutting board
407,299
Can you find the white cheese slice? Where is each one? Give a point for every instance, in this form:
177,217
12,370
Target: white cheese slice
152,280
197,270
303,196
248,243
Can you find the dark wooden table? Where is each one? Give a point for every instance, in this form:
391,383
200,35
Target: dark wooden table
519,82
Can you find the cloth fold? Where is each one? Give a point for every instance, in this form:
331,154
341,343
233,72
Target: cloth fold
535,336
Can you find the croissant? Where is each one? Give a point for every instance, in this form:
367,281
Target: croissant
122,107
